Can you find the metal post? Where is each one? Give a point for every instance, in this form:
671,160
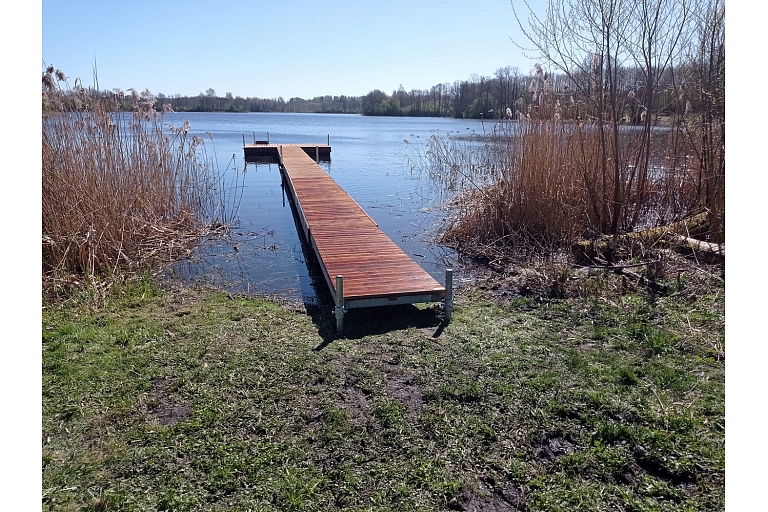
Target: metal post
267,137
317,155
254,137
339,311
448,294
329,139
243,139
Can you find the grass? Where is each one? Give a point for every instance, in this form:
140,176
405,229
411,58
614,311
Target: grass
183,399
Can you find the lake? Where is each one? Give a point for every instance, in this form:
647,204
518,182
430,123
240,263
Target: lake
369,160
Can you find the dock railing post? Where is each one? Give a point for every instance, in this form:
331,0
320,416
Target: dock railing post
339,311
448,294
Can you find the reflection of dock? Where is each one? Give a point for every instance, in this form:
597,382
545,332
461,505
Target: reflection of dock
361,265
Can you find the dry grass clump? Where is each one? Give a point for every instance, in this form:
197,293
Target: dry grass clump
545,184
117,192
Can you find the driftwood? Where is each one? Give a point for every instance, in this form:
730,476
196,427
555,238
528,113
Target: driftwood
704,250
677,236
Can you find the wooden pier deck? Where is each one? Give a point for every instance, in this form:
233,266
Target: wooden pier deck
362,266
264,150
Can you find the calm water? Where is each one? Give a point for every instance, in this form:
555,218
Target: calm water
369,160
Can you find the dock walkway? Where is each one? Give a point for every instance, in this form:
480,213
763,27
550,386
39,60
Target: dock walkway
362,266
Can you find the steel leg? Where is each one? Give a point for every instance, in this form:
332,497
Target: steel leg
448,294
339,311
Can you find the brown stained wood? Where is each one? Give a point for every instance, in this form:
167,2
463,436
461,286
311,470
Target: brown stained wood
262,149
348,242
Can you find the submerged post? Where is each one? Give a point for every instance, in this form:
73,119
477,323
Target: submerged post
448,294
339,311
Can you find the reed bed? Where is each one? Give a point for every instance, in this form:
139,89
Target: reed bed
539,186
119,192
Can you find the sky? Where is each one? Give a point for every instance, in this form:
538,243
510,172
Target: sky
287,48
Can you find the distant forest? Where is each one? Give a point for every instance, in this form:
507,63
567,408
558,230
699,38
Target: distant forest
463,99
507,93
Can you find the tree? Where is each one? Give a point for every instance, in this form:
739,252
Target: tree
700,89
593,43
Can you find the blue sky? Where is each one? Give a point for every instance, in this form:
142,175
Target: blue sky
289,48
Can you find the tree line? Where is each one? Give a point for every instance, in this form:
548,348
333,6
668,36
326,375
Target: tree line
508,93
473,98
211,102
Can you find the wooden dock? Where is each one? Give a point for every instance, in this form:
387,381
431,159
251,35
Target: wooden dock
264,151
362,266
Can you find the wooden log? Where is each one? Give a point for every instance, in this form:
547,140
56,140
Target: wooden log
705,250
604,247
698,245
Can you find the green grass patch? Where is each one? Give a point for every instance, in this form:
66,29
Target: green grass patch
194,400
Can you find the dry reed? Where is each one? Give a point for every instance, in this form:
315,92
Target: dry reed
538,186
119,193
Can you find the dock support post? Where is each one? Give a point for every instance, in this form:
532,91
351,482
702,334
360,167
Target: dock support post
267,137
254,137
448,294
243,139
329,139
317,155
339,311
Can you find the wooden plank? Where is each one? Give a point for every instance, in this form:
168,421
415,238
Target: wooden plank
347,241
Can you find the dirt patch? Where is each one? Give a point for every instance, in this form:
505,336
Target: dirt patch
403,386
355,401
356,405
399,384
547,447
172,414
491,498
165,410
659,467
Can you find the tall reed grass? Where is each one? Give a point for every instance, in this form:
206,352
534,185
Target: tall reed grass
118,191
544,184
